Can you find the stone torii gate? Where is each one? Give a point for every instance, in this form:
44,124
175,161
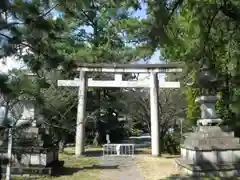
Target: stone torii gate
83,83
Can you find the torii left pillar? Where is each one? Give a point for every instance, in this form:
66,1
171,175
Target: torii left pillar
81,113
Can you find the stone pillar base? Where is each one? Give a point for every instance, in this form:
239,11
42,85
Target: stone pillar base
210,151
209,170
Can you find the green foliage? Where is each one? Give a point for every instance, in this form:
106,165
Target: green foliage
97,31
172,143
222,109
193,111
4,84
171,108
16,85
189,31
102,43
65,42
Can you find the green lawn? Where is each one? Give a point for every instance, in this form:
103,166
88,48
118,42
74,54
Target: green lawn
74,168
84,168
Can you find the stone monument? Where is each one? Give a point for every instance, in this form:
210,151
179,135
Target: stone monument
33,151
108,138
209,150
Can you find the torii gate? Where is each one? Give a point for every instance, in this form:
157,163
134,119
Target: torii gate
153,69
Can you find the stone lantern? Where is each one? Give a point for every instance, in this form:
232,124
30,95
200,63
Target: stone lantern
209,150
34,152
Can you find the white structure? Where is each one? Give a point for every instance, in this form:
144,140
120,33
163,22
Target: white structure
118,150
118,146
153,69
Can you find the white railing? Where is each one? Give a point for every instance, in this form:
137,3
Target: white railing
118,150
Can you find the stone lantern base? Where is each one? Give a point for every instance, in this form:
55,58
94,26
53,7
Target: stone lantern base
33,155
210,151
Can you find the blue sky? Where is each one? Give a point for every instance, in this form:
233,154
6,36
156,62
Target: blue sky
142,14
11,62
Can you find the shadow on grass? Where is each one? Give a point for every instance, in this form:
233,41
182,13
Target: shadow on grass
139,151
68,171
90,153
164,154
171,156
93,153
182,177
176,177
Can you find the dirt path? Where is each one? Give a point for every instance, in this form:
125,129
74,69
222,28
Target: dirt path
142,167
125,169
161,168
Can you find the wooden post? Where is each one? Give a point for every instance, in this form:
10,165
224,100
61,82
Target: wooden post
154,114
81,112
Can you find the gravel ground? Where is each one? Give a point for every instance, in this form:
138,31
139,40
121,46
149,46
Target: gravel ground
122,168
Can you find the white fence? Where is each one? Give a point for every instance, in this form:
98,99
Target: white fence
118,150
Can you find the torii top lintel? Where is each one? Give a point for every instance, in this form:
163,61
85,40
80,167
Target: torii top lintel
131,68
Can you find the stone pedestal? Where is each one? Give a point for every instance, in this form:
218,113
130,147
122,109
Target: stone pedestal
208,110
210,150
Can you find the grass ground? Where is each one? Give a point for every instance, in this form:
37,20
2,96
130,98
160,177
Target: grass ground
153,168
87,168
84,168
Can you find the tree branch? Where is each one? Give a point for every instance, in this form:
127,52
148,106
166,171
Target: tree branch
175,6
46,13
230,10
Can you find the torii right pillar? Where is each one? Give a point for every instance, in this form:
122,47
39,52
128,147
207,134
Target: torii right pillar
155,143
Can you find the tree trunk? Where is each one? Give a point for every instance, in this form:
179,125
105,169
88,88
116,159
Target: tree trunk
161,144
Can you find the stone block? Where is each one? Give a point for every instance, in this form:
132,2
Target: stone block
183,153
208,111
225,156
223,170
28,159
209,150
207,156
215,156
207,106
236,155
